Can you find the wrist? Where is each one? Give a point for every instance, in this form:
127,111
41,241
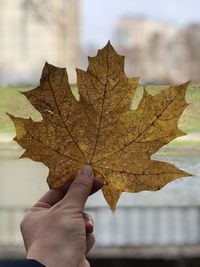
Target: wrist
52,255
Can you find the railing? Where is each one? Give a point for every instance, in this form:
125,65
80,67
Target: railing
10,218
147,225
135,226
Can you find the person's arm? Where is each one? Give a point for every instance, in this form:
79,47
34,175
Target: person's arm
20,263
56,231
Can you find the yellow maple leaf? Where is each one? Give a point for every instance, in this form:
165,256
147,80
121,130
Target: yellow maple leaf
100,129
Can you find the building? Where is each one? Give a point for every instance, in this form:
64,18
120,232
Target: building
36,31
159,52
193,43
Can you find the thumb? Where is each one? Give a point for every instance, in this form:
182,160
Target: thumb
80,189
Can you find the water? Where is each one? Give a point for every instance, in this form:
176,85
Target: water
183,191
23,181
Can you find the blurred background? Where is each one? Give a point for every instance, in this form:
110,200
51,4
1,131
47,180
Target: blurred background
161,42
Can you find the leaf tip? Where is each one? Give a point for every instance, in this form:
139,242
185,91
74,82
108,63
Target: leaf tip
108,46
187,83
113,209
80,71
184,86
47,70
188,174
10,116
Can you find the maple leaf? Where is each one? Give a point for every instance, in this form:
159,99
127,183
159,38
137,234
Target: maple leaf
100,129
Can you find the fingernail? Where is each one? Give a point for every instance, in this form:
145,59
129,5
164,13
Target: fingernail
87,170
90,219
101,180
90,222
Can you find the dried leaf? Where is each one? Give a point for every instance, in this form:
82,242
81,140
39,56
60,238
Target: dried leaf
100,129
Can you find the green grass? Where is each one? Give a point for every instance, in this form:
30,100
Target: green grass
11,101
190,119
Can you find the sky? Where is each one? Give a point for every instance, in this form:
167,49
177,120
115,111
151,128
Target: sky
99,17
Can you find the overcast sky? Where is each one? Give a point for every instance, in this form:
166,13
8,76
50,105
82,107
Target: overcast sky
99,17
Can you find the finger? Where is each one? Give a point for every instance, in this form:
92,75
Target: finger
89,223
79,189
53,196
90,240
84,263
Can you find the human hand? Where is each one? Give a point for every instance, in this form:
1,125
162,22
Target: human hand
56,232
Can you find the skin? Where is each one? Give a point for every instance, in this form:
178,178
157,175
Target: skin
56,231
